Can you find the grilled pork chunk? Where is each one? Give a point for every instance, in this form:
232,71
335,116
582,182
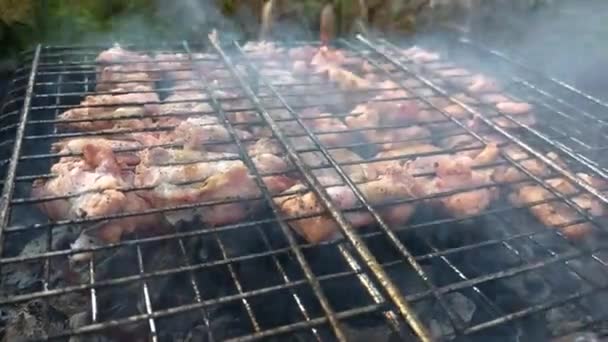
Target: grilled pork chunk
521,111
452,173
352,164
95,185
123,77
205,133
419,55
116,54
391,186
96,107
554,212
375,121
128,148
178,177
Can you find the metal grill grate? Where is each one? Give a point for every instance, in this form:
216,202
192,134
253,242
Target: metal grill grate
420,279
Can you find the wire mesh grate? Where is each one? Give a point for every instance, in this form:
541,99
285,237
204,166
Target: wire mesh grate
240,266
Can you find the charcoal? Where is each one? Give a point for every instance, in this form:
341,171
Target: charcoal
564,318
530,286
579,337
464,307
31,320
364,334
221,327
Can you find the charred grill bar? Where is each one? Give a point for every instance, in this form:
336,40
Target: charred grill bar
496,272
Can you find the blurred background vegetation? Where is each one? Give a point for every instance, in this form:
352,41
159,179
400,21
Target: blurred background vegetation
539,30
24,22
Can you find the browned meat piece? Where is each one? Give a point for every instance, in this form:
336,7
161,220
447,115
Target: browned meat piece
391,138
186,177
185,103
388,112
374,120
356,169
397,158
465,140
493,98
345,79
116,54
453,72
77,145
95,185
111,106
128,68
265,145
179,66
452,173
419,55
391,186
520,111
457,174
514,108
466,99
262,49
478,83
457,111
123,78
303,53
326,56
205,133
332,132
509,174
557,213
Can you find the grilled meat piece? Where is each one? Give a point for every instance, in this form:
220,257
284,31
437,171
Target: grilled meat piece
420,56
398,158
184,104
453,72
375,120
116,54
128,68
123,78
77,146
520,111
390,107
95,185
178,177
205,133
453,172
494,98
356,169
391,186
510,174
321,123
345,79
479,83
556,213
331,131
303,53
111,106
457,174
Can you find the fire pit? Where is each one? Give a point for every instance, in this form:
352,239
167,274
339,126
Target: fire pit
364,190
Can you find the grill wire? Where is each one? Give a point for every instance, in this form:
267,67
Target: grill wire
405,282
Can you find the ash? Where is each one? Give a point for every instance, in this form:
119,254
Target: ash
44,318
